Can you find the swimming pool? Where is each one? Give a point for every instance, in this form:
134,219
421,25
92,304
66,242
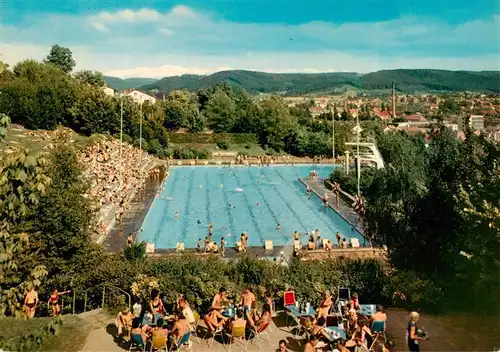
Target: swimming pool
238,199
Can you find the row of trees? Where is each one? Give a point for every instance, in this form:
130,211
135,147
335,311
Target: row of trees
437,208
44,95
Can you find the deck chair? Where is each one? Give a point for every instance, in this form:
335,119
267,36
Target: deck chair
378,330
195,325
238,334
183,340
213,333
258,336
136,343
158,343
305,327
343,294
289,298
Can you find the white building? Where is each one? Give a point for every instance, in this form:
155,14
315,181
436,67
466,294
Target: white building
108,91
140,97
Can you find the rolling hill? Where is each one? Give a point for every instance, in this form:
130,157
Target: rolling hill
299,83
122,84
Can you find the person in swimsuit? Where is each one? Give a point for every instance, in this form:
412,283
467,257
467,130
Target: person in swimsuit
54,301
156,304
130,240
30,302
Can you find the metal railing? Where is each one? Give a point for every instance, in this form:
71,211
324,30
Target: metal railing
105,288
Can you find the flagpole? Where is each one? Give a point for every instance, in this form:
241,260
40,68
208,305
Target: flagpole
333,139
358,162
140,139
121,142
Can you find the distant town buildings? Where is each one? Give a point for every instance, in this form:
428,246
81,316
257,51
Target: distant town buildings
108,91
475,122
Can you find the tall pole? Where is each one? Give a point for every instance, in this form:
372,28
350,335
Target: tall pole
121,142
140,139
333,139
358,163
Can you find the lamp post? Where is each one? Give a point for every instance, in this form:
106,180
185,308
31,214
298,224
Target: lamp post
121,142
140,137
358,162
333,139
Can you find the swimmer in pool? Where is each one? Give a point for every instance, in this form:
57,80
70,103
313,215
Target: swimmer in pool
221,185
199,221
176,215
257,204
201,186
278,226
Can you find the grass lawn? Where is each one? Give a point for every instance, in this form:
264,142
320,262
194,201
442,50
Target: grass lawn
70,335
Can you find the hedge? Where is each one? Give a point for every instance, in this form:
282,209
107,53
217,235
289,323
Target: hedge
212,138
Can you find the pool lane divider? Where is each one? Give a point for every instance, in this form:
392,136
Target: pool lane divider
207,192
163,213
304,227
230,215
335,210
187,206
264,200
328,224
250,209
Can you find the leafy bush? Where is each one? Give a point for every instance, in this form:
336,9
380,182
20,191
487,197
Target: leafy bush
349,182
211,138
135,252
190,153
222,144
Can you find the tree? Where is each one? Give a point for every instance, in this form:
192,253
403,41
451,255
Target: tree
220,112
61,57
94,78
180,106
66,212
275,123
22,182
39,96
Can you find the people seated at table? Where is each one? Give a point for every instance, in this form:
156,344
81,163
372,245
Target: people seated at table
352,323
325,305
319,331
181,326
264,319
379,314
219,299
141,331
311,344
361,336
355,302
124,321
341,346
268,300
187,311
238,321
159,330
248,298
156,304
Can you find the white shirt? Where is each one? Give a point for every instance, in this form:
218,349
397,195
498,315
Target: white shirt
188,313
136,310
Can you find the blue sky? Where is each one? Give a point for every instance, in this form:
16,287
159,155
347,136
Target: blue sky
158,38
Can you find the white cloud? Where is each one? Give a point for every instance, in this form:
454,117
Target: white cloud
99,26
166,31
127,16
148,43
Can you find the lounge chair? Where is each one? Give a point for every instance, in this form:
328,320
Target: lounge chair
238,334
182,341
136,343
257,336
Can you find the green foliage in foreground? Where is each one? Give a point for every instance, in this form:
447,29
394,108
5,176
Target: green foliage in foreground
42,334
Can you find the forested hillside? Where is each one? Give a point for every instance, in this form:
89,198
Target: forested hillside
300,83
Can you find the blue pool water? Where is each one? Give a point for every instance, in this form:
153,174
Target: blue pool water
270,195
